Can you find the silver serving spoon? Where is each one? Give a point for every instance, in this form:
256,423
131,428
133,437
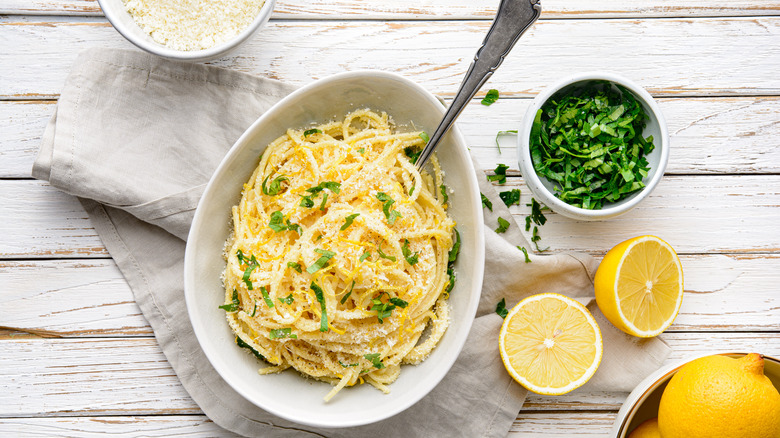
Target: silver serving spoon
513,18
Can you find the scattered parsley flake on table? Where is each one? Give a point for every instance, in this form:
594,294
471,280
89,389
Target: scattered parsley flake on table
501,308
486,203
500,174
510,197
490,97
502,133
503,225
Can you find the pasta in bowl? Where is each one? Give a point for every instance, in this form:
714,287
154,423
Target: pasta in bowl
314,288
337,261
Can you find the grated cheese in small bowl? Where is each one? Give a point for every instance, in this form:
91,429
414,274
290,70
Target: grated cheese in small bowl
190,30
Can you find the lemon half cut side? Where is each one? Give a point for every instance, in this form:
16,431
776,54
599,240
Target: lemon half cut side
550,344
639,286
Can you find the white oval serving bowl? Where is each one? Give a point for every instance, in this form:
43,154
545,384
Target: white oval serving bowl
642,403
123,22
288,394
542,188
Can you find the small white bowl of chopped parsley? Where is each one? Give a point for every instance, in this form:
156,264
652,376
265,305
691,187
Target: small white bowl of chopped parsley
592,146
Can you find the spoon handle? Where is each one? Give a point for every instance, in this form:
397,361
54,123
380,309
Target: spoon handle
513,18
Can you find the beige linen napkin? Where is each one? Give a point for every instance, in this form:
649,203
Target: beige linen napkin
136,138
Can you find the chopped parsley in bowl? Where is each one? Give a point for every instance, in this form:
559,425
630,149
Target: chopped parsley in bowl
593,146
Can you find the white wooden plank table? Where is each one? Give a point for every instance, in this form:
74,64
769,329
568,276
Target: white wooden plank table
77,358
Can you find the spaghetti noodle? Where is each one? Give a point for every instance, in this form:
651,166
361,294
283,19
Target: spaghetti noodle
341,254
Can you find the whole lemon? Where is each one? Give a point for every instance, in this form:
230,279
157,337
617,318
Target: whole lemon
648,429
720,397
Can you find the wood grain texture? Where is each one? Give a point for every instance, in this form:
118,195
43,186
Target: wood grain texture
715,214
454,9
89,298
69,298
78,359
21,127
29,228
130,376
732,135
190,426
528,424
562,425
701,57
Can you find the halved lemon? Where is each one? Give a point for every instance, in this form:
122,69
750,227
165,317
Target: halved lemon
550,344
639,286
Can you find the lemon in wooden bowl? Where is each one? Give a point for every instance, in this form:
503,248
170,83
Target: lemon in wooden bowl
720,397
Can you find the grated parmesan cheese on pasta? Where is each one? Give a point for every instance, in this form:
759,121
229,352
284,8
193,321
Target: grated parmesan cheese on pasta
193,24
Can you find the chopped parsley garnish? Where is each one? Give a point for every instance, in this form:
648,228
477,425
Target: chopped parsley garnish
254,310
412,189
525,253
589,144
536,212
233,305
535,238
500,174
283,333
510,197
344,298
486,202
391,215
361,151
538,218
444,196
413,153
321,262
277,223
490,97
383,255
296,266
324,200
451,274
398,302
309,132
503,225
501,308
287,300
348,221
251,264
268,301
385,310
375,361
502,133
306,201
410,258
451,257
323,309
347,366
275,187
453,254
333,186
364,256
240,342
424,136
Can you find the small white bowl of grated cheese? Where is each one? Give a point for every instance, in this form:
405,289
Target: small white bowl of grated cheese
187,30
